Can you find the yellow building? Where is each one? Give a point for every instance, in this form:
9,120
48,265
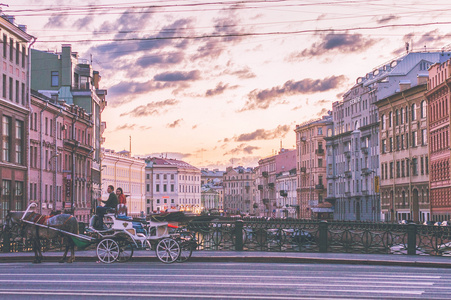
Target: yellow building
121,170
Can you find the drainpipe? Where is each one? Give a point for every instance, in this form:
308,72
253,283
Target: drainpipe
31,111
393,215
41,142
55,185
73,163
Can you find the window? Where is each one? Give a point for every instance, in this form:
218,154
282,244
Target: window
413,113
424,137
11,49
320,131
17,91
4,86
422,165
5,45
10,89
172,176
320,163
391,144
397,117
423,109
414,166
84,83
158,176
390,118
165,176
157,187
398,169
147,176
165,189
23,56
17,53
24,102
19,142
414,138
402,115
148,187
391,170
6,139
172,187
55,78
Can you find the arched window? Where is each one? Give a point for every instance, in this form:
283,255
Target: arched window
413,113
423,109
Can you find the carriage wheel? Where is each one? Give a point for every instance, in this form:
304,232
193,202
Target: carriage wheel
125,251
108,251
168,250
186,250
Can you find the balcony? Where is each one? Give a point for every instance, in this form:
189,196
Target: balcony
364,150
348,174
265,174
266,201
260,187
283,193
366,171
348,194
365,193
348,153
303,169
319,151
319,187
271,185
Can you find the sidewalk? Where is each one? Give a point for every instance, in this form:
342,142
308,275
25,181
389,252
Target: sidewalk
258,257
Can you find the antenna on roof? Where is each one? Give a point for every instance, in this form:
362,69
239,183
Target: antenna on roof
407,47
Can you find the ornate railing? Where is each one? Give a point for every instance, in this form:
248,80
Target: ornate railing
301,236
316,236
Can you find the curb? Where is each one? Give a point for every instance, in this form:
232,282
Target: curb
249,259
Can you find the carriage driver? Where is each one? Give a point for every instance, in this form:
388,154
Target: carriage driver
111,203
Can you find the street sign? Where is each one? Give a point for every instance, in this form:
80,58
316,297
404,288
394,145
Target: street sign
376,184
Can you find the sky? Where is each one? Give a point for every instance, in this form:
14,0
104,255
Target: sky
224,83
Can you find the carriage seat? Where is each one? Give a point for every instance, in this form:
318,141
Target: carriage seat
121,210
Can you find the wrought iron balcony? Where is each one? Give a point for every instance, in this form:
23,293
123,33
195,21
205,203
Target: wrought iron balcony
283,193
271,185
265,174
303,169
348,174
364,150
319,187
260,187
348,153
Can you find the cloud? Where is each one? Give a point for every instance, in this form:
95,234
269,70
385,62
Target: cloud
178,76
323,112
194,126
153,108
219,89
56,21
126,91
126,127
174,124
322,102
228,28
262,134
83,23
386,19
334,43
164,58
243,148
169,155
243,73
262,99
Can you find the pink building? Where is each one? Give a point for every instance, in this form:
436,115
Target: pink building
60,157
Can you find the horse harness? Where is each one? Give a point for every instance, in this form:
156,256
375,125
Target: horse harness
42,220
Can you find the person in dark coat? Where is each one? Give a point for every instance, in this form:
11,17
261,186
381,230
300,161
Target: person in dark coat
111,203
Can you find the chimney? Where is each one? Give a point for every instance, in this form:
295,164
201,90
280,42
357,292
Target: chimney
404,85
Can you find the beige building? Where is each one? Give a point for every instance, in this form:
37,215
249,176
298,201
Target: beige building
311,169
121,170
238,190
404,157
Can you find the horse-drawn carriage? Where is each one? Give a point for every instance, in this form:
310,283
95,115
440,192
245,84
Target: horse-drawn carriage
122,236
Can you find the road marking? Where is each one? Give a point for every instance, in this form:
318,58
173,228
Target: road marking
276,284
342,278
188,295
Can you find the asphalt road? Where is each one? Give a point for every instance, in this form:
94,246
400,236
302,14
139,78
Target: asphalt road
197,280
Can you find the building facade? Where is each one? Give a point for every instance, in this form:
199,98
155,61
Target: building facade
128,173
238,190
172,185
14,113
65,77
311,166
404,154
438,99
353,147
